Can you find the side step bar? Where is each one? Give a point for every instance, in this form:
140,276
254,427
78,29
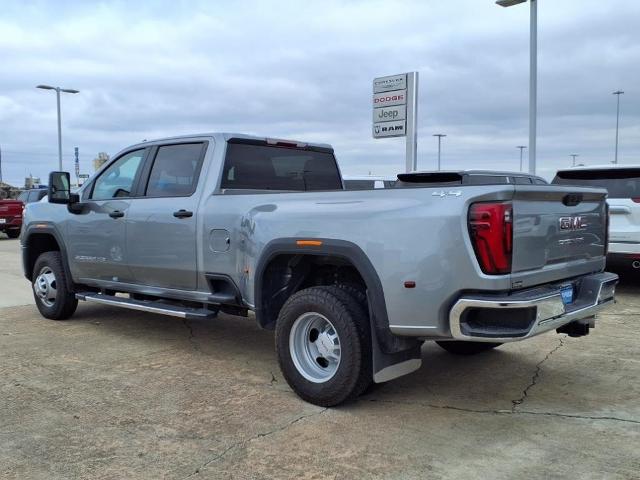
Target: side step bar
147,306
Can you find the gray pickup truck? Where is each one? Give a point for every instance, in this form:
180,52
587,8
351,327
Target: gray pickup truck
353,282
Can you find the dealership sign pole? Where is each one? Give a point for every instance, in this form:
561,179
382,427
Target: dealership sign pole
395,111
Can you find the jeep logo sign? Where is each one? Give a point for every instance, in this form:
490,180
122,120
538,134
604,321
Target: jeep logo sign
387,114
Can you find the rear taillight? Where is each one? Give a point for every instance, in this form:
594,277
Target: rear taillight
491,230
636,199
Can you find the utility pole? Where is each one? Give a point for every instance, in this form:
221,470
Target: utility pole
617,94
0,164
521,147
573,156
533,74
439,135
58,90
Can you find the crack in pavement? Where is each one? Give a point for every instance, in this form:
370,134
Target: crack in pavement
251,439
192,338
534,379
507,412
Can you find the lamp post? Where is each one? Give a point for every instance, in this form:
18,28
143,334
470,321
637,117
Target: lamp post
617,94
58,90
439,135
521,147
573,156
533,74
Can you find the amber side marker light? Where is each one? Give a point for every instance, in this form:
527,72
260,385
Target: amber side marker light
308,243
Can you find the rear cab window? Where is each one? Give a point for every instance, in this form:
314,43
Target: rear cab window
619,182
255,165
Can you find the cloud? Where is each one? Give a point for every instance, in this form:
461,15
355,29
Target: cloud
304,69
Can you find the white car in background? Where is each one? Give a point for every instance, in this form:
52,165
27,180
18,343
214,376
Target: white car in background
623,184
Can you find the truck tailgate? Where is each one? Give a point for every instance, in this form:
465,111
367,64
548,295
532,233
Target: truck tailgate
557,233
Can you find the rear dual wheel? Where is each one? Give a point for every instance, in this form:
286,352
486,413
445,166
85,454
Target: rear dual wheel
323,345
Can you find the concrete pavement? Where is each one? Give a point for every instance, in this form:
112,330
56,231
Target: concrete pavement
116,394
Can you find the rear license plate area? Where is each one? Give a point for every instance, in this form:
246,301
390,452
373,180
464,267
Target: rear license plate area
567,294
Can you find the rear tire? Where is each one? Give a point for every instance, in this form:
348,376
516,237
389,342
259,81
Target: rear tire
53,299
467,348
323,345
13,233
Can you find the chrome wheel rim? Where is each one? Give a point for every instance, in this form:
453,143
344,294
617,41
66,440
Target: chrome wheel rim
45,287
315,347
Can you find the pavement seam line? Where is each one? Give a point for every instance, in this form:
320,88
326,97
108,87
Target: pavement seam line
534,379
250,439
509,412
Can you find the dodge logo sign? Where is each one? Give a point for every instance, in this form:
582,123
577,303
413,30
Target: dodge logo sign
572,223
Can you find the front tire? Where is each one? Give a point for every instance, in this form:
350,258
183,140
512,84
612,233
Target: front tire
467,348
53,299
13,233
323,348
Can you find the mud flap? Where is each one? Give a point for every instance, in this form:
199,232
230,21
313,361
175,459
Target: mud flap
387,366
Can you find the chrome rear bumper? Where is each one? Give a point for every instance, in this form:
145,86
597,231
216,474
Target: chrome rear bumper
523,314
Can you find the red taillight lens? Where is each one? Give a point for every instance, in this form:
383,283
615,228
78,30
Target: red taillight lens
491,230
636,199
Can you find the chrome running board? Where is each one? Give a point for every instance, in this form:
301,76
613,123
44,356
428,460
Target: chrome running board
147,306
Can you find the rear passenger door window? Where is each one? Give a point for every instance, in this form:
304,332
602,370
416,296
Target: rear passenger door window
175,170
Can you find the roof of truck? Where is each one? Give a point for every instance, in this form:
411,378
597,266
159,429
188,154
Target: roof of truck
229,135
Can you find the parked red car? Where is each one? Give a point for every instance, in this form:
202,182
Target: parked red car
11,217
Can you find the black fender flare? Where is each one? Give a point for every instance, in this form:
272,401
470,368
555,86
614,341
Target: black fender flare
48,229
389,343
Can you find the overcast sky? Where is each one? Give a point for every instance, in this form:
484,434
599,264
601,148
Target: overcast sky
303,70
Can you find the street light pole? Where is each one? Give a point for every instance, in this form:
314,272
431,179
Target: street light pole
573,156
521,147
439,135
533,74
617,94
58,90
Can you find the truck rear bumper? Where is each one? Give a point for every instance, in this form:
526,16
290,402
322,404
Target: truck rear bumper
529,312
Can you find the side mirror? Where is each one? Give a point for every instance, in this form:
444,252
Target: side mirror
59,188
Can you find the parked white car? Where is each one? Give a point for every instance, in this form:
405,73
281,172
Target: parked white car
623,184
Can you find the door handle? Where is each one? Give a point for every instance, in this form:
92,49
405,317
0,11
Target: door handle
183,214
116,214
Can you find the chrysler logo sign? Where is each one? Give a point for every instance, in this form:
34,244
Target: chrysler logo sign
572,223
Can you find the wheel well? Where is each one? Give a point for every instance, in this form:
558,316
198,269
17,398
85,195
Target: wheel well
285,274
37,244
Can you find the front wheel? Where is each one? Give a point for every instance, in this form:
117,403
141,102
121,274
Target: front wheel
53,299
13,233
322,345
467,348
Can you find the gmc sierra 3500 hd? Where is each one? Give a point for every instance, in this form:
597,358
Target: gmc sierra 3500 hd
353,282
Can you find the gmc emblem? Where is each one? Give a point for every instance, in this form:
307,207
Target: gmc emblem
572,223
